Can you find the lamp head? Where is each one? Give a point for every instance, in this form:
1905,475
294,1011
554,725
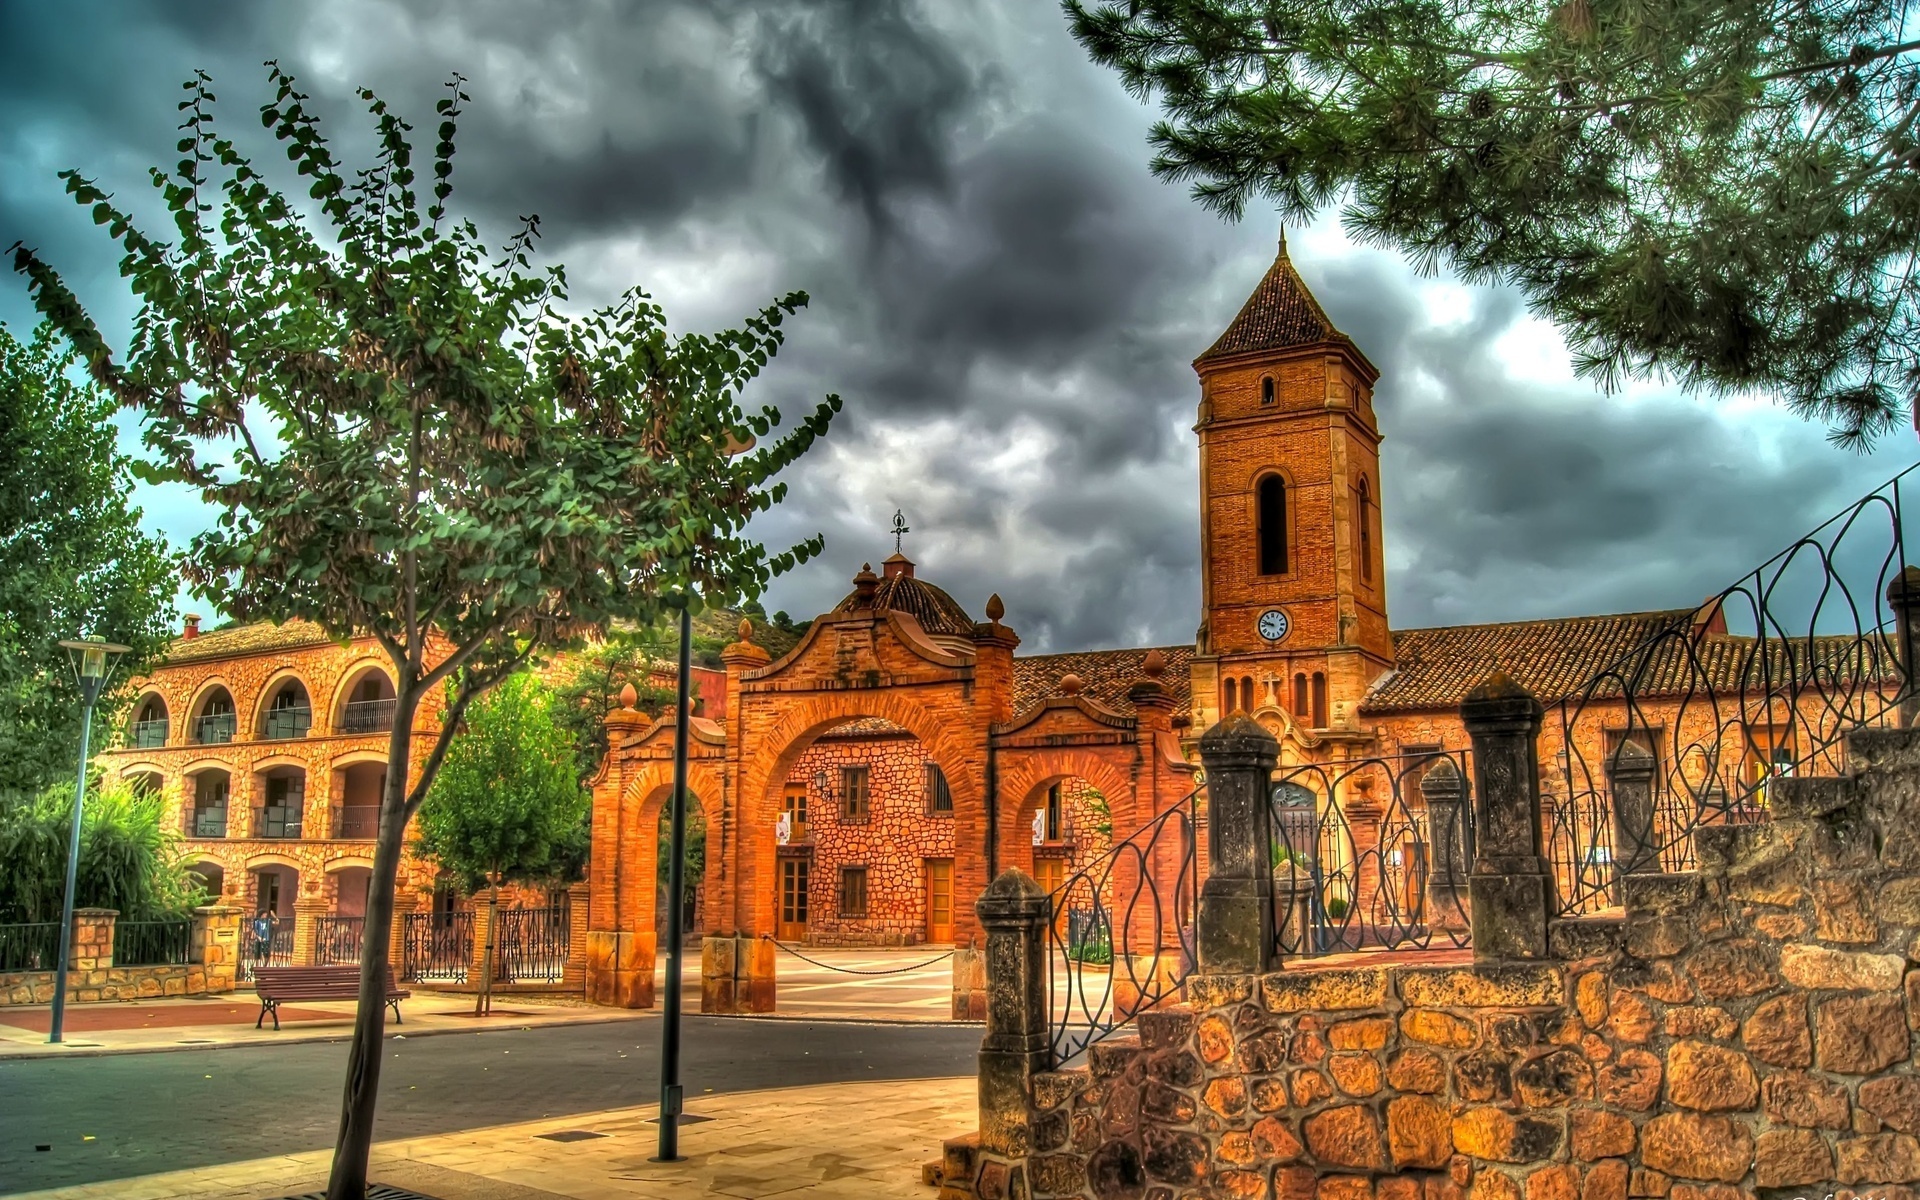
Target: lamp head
92,658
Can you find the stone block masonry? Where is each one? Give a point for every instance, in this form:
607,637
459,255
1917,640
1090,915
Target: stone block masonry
1744,1030
94,977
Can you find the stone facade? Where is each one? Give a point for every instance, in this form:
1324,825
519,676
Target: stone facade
1746,1029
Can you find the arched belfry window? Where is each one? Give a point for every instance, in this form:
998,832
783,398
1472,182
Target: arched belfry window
1363,517
1266,389
1271,502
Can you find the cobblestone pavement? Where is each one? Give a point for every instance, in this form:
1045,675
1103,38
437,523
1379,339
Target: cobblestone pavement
847,1141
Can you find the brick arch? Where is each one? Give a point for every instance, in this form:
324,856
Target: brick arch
1024,779
765,760
152,691
198,698
348,678
635,845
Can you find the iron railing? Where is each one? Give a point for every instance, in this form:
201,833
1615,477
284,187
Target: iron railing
1120,933
531,944
356,822
276,950
1764,679
1366,858
147,735
366,716
153,943
30,947
214,730
292,722
277,821
337,939
437,947
210,821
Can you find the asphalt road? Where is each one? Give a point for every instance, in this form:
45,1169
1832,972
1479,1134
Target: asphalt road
188,1108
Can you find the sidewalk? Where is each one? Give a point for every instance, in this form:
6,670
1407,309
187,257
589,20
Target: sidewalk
804,990
861,1141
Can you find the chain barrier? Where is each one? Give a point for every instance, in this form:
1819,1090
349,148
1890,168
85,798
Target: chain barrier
855,970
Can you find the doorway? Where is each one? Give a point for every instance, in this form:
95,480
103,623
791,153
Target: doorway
940,900
793,899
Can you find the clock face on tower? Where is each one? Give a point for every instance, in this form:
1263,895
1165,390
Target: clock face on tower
1274,625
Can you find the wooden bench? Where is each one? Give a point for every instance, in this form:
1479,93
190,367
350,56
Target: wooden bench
277,984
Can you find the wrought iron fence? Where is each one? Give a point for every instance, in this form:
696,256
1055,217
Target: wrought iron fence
437,947
273,950
1372,854
153,943
531,944
366,716
1762,680
30,947
337,939
1120,937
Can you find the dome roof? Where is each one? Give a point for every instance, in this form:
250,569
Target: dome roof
938,613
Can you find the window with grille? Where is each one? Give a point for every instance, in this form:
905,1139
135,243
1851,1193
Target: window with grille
853,891
939,796
853,793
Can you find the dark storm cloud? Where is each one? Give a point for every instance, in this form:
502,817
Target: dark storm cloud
1006,299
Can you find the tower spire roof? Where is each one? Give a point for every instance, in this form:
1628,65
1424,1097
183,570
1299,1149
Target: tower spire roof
1280,314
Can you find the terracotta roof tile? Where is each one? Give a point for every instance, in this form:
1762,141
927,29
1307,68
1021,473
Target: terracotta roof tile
259,637
1281,313
1105,676
1436,668
937,612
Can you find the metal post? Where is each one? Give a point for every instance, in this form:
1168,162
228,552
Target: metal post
676,883
90,691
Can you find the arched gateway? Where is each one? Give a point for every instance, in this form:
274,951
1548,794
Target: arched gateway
863,789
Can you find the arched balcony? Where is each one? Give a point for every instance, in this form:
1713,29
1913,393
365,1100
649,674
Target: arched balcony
148,729
289,714
369,703
213,722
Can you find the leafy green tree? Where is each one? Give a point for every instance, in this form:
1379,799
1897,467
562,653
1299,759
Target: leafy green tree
587,685
73,560
410,436
507,805
1718,189
130,857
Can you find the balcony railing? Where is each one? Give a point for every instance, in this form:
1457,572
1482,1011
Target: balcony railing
147,735
210,822
276,821
288,722
213,730
367,716
357,822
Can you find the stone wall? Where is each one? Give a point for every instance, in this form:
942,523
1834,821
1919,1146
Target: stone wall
1743,1030
93,976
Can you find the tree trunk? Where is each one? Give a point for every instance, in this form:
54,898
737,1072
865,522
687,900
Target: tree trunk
348,1180
483,1005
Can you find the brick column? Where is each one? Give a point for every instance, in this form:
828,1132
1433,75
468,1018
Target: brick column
405,901
1445,791
307,911
1511,889
92,954
1235,922
1903,596
1630,782
574,974
1017,1046
216,944
482,926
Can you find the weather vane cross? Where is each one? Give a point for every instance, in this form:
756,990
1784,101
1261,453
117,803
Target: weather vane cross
899,529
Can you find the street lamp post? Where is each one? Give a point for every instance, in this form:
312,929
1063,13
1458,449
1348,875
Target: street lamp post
91,659
670,1090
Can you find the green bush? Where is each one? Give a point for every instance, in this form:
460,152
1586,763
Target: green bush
129,859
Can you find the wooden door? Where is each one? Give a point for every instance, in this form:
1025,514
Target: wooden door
1049,873
940,900
793,899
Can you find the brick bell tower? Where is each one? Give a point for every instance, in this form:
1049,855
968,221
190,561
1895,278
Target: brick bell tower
1293,581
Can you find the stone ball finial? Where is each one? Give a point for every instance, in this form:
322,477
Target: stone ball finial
1070,684
1155,666
996,608
628,697
746,630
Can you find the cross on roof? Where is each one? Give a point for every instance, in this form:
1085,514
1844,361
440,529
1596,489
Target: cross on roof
899,529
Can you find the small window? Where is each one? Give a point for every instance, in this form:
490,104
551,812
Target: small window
1246,693
853,891
1227,696
1300,711
1363,518
939,795
1319,701
1056,813
1266,389
795,805
853,793
1271,518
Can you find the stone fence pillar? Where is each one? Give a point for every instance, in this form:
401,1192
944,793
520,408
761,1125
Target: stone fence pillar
1235,922
1903,596
307,911
1017,1045
737,974
1445,792
1630,781
92,940
579,897
216,944
1511,889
